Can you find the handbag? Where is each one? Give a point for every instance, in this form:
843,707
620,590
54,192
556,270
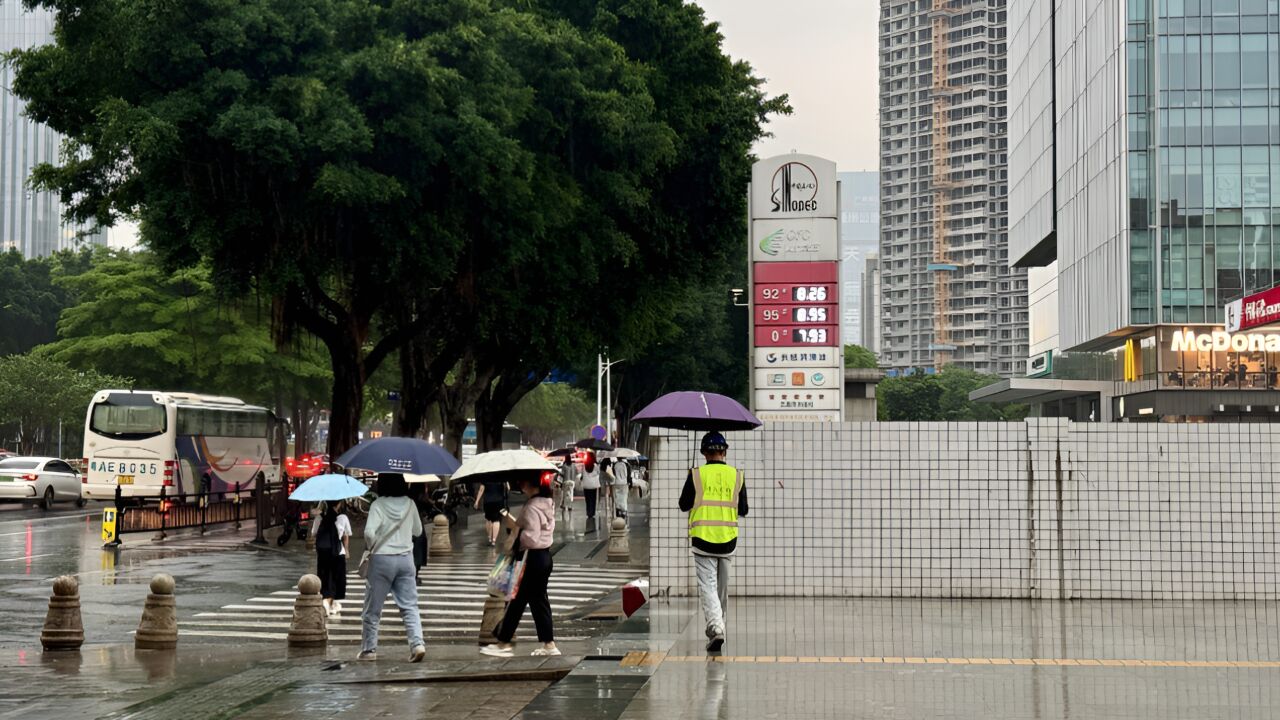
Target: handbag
363,568
505,577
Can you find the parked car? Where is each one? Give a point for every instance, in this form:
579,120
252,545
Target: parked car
39,479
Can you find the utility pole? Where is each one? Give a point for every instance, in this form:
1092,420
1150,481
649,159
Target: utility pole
599,366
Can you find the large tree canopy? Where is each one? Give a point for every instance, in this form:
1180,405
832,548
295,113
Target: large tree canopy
387,170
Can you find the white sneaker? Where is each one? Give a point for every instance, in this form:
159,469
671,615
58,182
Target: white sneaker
417,654
544,652
497,651
335,608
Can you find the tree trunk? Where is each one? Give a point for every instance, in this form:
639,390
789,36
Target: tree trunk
347,401
415,400
496,401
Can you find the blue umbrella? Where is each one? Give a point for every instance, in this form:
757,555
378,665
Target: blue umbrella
399,455
329,487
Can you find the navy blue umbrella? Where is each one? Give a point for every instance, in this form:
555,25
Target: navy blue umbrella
399,455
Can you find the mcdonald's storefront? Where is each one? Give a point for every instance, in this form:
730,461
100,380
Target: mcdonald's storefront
1168,373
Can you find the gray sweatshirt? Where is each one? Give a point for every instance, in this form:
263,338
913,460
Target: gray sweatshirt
385,516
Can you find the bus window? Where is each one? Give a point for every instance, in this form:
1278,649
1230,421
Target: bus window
128,416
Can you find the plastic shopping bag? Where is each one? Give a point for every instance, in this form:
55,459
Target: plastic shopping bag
502,576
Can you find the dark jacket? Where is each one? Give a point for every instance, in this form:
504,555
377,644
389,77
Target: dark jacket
700,546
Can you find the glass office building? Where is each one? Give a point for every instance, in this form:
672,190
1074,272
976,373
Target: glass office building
30,222
1144,196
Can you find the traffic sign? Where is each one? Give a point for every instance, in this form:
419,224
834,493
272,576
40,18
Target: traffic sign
598,432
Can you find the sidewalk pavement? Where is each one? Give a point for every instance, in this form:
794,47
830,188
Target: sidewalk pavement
872,658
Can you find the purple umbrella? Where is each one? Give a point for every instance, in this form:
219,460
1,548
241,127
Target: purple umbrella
693,410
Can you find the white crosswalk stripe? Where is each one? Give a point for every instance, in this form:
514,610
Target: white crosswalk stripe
450,602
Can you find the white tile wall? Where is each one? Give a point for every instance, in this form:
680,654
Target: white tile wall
1003,510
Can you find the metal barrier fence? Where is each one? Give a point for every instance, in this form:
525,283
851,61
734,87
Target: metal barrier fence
266,504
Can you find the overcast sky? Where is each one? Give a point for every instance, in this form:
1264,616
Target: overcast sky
823,54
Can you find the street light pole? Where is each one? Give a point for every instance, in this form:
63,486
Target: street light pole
599,366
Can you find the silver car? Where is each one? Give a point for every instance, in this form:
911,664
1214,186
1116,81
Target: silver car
39,479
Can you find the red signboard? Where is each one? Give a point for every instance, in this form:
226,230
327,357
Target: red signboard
1254,311
796,272
796,314
797,335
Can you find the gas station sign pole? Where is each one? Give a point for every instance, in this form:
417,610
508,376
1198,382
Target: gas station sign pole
797,358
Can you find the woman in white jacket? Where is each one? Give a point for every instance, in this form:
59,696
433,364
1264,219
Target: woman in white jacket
393,524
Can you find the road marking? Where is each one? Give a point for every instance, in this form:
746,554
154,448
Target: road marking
632,659
28,557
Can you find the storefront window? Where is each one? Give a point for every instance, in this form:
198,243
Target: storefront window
1196,369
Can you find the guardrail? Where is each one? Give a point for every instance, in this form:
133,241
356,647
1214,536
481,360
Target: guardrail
266,504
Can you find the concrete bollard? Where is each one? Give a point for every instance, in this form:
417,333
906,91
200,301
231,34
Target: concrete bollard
494,608
63,629
439,542
158,629
309,627
619,543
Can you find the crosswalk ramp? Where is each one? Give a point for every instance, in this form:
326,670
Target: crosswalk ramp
450,602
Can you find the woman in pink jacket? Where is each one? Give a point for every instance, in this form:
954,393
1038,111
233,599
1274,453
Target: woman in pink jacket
536,526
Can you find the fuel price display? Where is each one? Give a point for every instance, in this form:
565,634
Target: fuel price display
795,314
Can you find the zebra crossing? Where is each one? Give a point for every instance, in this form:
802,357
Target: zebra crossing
450,601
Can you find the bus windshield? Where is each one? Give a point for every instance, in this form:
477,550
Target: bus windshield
131,417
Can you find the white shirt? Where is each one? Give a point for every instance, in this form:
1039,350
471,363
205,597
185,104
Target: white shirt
619,472
343,526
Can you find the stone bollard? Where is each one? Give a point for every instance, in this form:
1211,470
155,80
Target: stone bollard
63,629
158,629
309,627
494,608
439,542
619,544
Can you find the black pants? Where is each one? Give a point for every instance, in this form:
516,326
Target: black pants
591,496
332,570
533,593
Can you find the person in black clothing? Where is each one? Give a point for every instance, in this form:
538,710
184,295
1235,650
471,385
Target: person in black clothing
333,538
494,499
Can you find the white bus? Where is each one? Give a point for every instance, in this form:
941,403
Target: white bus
142,440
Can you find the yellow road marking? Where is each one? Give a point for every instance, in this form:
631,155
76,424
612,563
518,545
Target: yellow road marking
633,659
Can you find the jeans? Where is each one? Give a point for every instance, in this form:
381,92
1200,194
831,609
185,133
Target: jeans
394,574
713,590
533,593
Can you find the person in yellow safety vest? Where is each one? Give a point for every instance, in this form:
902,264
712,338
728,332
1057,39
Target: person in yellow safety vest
715,496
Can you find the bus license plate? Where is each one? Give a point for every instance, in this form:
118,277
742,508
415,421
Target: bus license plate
124,479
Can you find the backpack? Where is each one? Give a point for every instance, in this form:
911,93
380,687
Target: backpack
327,540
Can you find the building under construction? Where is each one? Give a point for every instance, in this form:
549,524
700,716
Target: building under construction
948,295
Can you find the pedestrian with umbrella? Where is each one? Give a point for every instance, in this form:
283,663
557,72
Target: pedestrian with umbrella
387,565
332,533
714,495
533,531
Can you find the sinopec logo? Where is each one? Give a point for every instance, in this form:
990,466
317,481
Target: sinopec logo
794,189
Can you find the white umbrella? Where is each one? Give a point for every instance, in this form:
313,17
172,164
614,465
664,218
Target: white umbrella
420,479
620,454
500,461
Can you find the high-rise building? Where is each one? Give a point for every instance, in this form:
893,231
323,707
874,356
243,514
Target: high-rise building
871,302
1144,196
859,236
30,221
948,296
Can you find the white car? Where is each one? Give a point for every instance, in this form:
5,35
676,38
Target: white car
39,479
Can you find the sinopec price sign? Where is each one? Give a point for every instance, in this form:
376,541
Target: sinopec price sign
794,247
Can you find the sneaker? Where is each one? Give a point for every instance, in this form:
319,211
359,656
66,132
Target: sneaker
336,607
497,651
417,654
367,655
546,652
716,643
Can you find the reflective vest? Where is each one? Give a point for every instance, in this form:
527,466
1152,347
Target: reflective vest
714,517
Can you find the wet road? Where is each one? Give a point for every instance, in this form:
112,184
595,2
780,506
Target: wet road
37,546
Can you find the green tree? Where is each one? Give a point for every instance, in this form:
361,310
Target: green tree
31,300
942,396
553,414
37,393
170,330
856,356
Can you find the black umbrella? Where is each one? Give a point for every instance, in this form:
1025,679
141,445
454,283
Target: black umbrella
562,452
593,444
